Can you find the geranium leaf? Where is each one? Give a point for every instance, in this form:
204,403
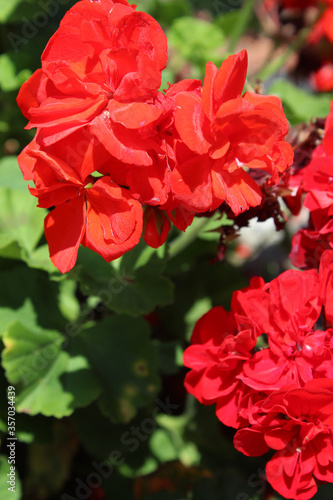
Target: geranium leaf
133,285
300,106
197,40
125,362
20,221
48,380
29,296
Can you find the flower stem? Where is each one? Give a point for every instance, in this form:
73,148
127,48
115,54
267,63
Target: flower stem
243,20
185,239
276,64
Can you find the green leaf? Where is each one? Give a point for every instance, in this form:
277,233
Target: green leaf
125,361
40,259
109,437
9,79
211,231
11,176
174,429
25,12
47,380
28,296
162,446
26,314
199,308
197,40
68,303
300,106
166,12
5,493
20,221
6,9
149,466
227,21
245,16
133,284
170,355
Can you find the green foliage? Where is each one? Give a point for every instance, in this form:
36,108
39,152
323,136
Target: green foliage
134,284
125,362
28,296
166,11
197,41
47,379
21,225
9,78
7,8
299,105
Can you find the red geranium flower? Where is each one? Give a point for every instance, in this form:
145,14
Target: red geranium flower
228,133
298,424
221,342
297,352
99,85
96,213
267,340
102,66
309,244
326,284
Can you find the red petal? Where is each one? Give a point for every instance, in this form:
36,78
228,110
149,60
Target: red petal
134,115
181,217
125,148
213,325
140,33
151,184
299,486
241,191
230,80
28,95
157,227
67,112
190,122
114,220
192,184
64,231
27,162
208,90
250,442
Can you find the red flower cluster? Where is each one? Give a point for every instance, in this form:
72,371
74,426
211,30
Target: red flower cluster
298,424
262,363
113,156
316,180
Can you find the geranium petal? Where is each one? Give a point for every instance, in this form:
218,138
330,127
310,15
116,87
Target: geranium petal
64,231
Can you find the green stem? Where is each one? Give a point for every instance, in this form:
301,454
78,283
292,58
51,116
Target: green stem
243,20
185,239
276,64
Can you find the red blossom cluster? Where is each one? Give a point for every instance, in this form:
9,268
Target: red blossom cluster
114,157
269,369
316,180
267,364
